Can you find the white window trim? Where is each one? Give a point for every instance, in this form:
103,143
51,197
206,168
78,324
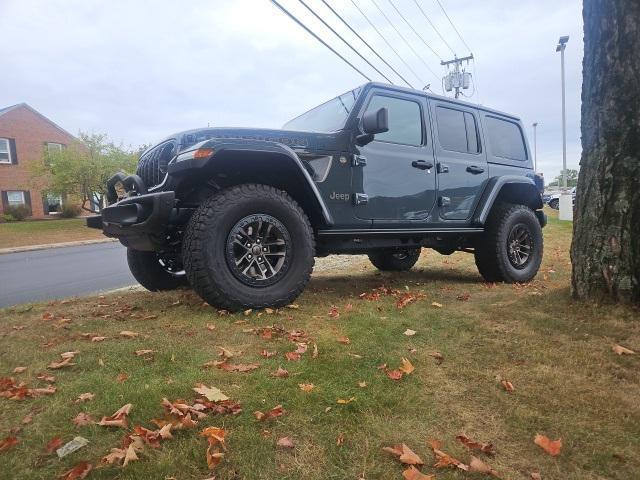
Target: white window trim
59,146
9,161
13,204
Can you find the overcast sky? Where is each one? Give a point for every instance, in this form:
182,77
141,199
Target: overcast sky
139,70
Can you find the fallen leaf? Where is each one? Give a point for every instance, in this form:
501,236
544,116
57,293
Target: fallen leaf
280,373
436,304
143,352
7,443
486,448
620,350
412,473
130,456
306,387
80,471
393,374
362,384
443,459
463,297
98,339
340,440
122,377
292,356
118,419
46,377
276,411
293,306
343,401
212,394
65,362
83,419
85,397
344,340
406,367
267,354
477,465
409,333
210,326
128,334
438,356
53,445
19,369
508,386
315,351
404,454
552,447
47,316
237,367
334,313
535,476
285,442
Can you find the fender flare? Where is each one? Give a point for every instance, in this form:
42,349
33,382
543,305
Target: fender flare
493,188
226,148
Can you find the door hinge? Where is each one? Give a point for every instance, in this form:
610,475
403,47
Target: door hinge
444,201
360,198
442,168
358,161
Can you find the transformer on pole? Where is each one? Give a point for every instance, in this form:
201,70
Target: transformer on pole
457,79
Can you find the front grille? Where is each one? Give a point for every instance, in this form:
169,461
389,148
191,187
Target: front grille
152,166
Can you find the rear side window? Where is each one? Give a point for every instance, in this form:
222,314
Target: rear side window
405,120
506,139
457,130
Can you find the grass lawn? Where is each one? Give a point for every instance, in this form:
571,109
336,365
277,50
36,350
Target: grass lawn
41,232
568,382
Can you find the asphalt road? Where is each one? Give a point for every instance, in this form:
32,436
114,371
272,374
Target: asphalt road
62,272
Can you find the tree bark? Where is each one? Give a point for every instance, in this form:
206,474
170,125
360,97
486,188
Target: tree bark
606,233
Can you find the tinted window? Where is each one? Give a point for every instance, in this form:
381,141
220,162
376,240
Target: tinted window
506,139
457,130
405,120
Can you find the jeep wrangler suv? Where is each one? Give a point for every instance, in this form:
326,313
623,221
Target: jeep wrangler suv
240,214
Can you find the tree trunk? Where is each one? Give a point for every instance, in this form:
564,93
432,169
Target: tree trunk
606,233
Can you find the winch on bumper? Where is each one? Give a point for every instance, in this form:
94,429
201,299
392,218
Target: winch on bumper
139,221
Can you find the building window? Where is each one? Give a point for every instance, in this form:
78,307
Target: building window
5,151
15,198
53,147
54,203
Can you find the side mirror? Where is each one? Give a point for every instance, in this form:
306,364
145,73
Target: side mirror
372,123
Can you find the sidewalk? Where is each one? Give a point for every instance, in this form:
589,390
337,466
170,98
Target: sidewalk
28,248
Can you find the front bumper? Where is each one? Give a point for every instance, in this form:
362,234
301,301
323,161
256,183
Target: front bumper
140,222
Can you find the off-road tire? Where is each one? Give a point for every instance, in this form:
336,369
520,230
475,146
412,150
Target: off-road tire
147,270
492,250
394,260
204,248
554,203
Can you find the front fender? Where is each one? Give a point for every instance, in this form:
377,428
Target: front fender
257,161
509,188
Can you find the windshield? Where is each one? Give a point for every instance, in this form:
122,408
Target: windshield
328,117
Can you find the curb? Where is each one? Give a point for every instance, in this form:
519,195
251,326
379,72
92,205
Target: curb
29,248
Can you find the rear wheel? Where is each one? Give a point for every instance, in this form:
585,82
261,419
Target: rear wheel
156,272
511,248
554,203
394,259
249,246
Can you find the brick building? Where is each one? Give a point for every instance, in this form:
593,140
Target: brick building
25,134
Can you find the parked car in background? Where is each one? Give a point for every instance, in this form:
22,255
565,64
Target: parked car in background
554,200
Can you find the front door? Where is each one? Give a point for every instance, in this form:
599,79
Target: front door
461,161
398,180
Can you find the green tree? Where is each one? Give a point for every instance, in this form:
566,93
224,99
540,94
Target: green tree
572,179
83,168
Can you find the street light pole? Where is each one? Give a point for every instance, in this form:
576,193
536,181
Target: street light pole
562,44
535,148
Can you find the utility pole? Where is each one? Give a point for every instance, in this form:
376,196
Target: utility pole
562,44
457,79
535,147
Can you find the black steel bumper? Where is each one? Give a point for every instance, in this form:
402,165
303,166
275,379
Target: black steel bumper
139,222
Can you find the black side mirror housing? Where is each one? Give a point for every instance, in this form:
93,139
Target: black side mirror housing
372,123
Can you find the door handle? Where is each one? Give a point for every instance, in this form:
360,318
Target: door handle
475,169
422,164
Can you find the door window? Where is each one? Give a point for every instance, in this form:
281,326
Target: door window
457,130
405,120
506,139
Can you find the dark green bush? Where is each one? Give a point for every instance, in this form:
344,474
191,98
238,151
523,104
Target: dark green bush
69,210
16,213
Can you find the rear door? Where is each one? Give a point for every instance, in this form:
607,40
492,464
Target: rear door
461,162
398,178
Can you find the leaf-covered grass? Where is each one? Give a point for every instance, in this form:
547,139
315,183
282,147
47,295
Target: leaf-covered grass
44,232
569,384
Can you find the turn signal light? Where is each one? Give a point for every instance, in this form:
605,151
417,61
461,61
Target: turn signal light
203,153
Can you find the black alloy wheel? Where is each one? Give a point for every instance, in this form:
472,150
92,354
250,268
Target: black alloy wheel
520,246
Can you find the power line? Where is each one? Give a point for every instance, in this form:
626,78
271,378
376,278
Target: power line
365,42
454,27
433,26
404,39
414,30
292,17
388,44
343,40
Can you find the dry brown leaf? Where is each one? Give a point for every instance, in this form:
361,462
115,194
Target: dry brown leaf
8,442
210,326
409,333
407,368
486,448
436,304
212,394
19,369
83,419
130,455
344,340
404,454
443,459
285,442
315,351
128,334
620,350
85,397
122,377
65,362
306,387
340,440
334,313
52,445
412,473
118,419
276,411
535,476
280,373
292,356
267,354
237,367
477,465
552,447
393,374
438,356
344,401
98,339
362,384
508,386
143,352
80,471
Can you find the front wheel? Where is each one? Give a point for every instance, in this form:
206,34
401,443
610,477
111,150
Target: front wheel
395,260
154,271
249,246
511,249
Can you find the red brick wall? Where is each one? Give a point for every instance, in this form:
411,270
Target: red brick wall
30,131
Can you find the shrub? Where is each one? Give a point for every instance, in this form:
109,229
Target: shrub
17,213
69,210
5,217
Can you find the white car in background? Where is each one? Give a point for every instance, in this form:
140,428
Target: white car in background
554,201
